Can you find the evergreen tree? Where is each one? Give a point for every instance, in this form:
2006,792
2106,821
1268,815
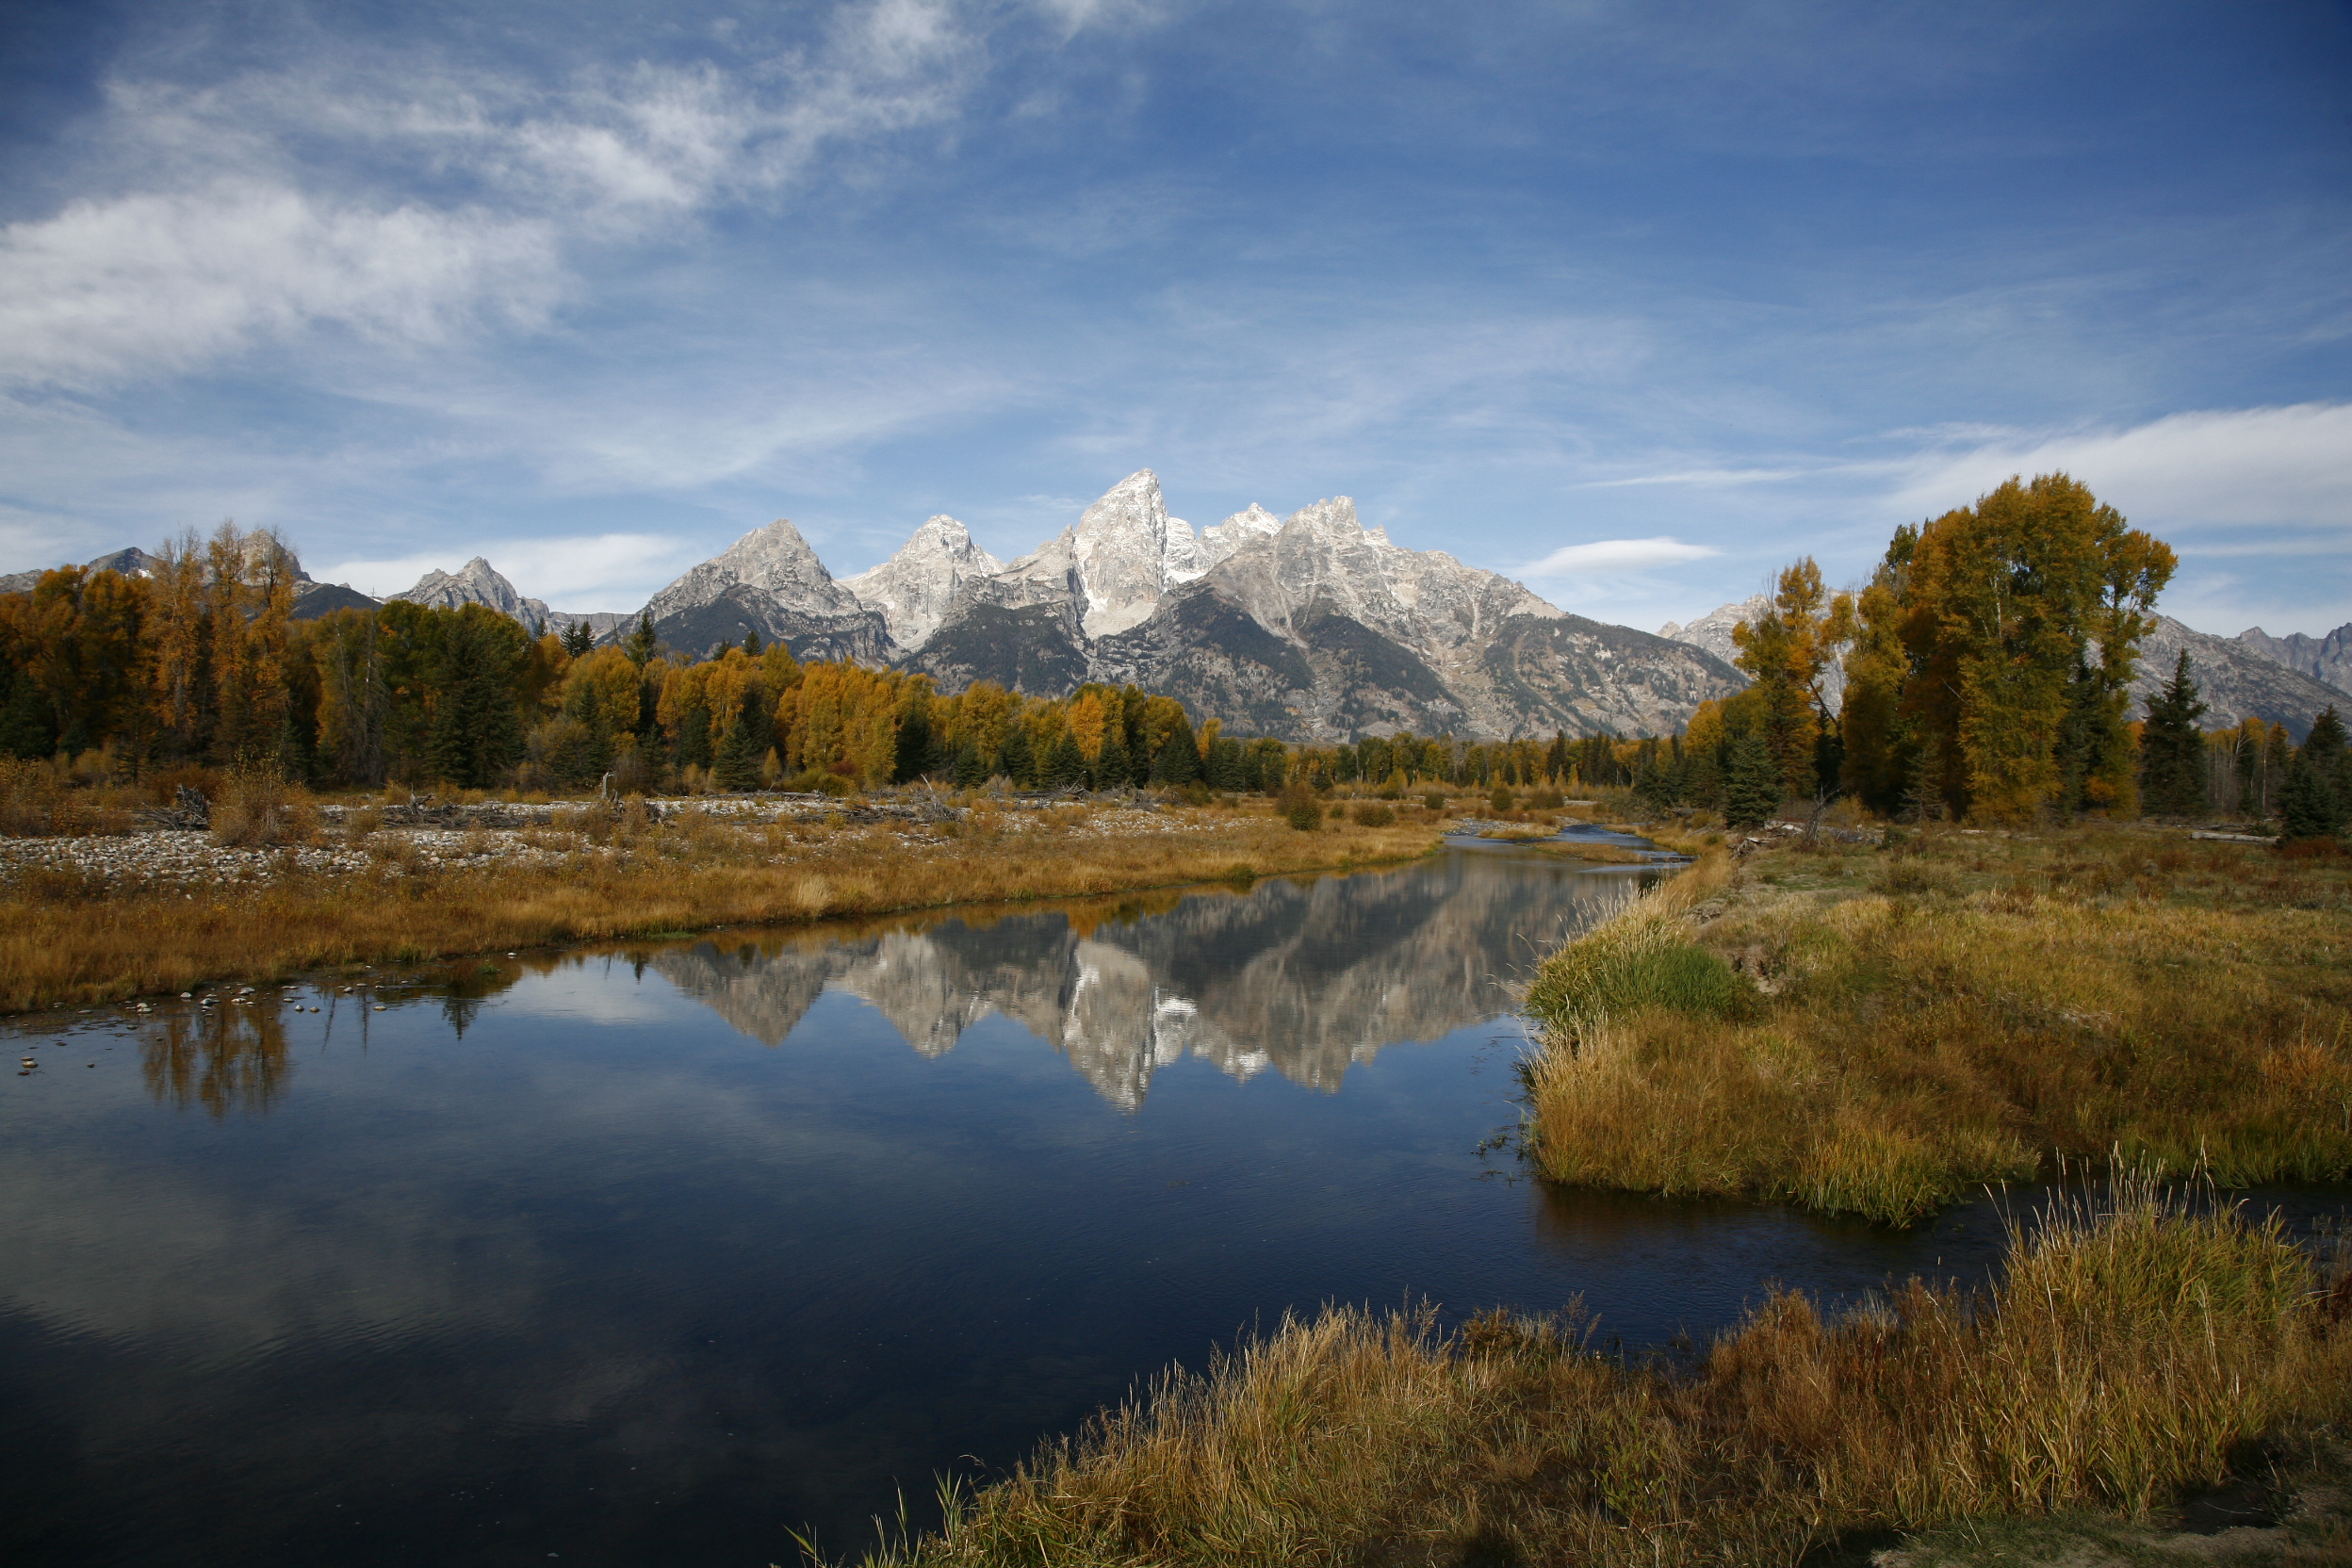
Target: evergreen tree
1178,760
1112,769
578,639
1752,783
1016,762
477,731
2309,804
970,769
751,642
2324,748
745,744
914,738
1065,765
2172,749
641,644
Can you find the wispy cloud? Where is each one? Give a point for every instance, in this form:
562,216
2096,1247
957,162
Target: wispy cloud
1616,555
2251,467
602,571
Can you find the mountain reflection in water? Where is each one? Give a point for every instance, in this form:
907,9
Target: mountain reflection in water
1302,976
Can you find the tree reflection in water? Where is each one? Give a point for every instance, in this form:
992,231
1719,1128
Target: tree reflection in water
226,1059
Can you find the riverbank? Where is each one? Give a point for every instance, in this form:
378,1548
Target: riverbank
2129,1351
86,920
1880,1030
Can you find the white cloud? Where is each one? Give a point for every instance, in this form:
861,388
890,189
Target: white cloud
157,284
602,571
2240,467
220,236
1616,555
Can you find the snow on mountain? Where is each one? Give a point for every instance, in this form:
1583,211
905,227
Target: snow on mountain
914,588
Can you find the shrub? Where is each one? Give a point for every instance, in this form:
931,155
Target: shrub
1500,800
30,796
257,806
1435,801
1373,816
1298,805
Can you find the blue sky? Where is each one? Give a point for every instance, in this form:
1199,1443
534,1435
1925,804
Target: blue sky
1636,302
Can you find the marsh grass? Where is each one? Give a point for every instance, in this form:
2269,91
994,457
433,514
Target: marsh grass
76,939
1965,1009
2137,1341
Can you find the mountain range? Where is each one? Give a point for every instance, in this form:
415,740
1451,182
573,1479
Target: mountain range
1310,627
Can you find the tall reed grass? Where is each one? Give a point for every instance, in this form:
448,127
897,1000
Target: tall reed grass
2137,1340
1899,1028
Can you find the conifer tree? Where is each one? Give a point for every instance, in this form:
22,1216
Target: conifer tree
2309,805
1065,765
640,644
2172,749
578,639
1751,782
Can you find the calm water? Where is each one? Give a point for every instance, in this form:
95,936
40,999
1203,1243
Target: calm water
650,1255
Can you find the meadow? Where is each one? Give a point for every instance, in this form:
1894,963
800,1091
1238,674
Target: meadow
1879,1031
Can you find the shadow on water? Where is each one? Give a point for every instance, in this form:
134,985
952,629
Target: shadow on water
657,1252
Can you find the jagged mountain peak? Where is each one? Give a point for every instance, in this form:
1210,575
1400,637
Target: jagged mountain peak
914,588
1121,551
773,560
475,582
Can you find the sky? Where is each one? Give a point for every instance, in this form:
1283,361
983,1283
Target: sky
1637,302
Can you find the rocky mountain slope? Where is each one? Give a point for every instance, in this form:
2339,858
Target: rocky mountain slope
769,582
2326,659
913,590
1311,627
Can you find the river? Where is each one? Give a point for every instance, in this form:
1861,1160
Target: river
656,1255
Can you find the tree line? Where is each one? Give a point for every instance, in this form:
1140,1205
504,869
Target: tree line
1986,667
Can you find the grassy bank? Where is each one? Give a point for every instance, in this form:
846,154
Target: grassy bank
2129,1351
75,939
1878,1031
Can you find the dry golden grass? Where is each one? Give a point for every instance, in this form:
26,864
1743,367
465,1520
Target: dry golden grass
64,939
2131,1350
1908,1025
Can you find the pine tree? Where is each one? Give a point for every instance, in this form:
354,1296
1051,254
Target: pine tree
914,738
578,639
1016,762
640,644
2324,748
745,746
1112,769
1752,783
2309,804
2172,749
1065,765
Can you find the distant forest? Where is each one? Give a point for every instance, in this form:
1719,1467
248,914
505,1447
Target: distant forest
1986,671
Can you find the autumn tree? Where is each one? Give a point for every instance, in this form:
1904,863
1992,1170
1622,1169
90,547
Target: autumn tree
1786,651
2016,612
